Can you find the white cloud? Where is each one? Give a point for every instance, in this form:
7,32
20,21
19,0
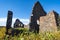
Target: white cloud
3,21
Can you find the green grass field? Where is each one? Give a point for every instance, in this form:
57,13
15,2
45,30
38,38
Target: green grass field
26,35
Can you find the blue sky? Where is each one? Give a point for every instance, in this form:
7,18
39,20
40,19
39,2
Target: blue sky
22,9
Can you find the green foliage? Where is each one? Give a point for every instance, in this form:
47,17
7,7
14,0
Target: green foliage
22,29
2,32
41,36
26,35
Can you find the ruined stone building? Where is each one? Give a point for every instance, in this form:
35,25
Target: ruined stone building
42,21
18,24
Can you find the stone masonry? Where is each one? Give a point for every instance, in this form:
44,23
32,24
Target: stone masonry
36,13
47,22
9,21
18,24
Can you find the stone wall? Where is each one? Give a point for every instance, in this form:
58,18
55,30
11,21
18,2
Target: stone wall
37,12
48,22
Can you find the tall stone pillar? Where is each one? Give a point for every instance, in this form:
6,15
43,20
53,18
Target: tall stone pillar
9,21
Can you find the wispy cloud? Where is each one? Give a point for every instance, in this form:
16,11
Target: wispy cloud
3,21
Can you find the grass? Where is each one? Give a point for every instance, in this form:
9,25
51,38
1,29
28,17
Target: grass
26,35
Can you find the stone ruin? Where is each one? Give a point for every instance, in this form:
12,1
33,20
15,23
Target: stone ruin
18,24
40,21
36,13
9,21
49,22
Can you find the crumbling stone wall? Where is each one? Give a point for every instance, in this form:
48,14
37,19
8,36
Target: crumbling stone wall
49,22
36,13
